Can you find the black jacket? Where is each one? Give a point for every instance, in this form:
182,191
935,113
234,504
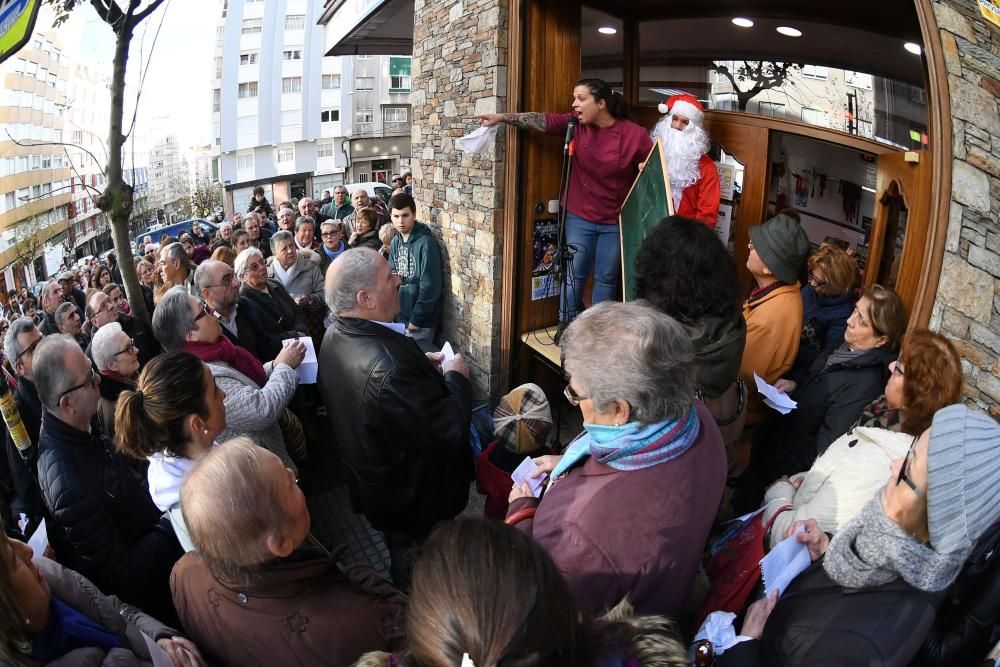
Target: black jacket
48,325
252,335
100,518
24,479
817,623
133,327
279,316
402,428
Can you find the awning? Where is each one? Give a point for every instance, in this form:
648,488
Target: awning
368,27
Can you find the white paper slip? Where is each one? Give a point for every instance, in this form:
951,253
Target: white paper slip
783,563
159,656
774,398
523,474
447,351
39,540
307,369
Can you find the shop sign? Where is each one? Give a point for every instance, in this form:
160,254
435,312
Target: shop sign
990,12
17,21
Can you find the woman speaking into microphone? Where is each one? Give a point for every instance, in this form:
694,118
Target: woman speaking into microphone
608,151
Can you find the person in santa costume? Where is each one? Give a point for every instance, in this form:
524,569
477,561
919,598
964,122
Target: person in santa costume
694,180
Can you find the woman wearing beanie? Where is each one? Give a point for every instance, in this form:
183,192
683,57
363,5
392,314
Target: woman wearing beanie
773,312
870,596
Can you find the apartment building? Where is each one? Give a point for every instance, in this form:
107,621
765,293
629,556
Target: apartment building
169,180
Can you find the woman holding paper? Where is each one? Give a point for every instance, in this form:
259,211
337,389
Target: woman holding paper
632,500
609,150
256,396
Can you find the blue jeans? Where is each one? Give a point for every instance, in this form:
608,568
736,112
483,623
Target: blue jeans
591,245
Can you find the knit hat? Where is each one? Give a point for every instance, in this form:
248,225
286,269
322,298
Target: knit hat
782,245
963,477
684,105
523,419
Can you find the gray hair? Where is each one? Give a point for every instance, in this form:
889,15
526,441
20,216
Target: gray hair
202,275
63,311
336,224
172,319
10,345
242,259
634,353
284,236
176,251
304,220
357,270
49,368
225,224
103,347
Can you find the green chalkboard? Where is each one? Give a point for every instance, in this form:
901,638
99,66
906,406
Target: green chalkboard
647,203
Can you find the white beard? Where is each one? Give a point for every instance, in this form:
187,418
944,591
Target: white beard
683,150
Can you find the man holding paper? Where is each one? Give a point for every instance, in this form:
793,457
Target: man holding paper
401,417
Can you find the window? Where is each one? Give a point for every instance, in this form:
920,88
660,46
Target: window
46,162
364,57
773,109
9,201
815,117
399,83
218,67
244,161
364,83
364,116
331,81
286,153
77,136
216,100
220,35
324,149
52,80
291,84
252,26
330,116
399,74
364,177
36,162
248,58
814,71
394,115
858,79
295,22
248,89
293,54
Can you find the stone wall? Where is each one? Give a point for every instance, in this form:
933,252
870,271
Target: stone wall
459,70
967,308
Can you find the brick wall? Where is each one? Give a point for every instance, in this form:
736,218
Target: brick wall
459,70
967,307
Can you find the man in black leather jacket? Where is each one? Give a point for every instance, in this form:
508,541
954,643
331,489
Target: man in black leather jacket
401,417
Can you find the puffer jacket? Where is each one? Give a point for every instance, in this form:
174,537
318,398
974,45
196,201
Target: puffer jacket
100,518
824,321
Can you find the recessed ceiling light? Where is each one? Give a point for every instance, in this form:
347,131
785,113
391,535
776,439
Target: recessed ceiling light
742,22
912,48
607,30
789,32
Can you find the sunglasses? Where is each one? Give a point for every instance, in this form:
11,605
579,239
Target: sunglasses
903,477
91,380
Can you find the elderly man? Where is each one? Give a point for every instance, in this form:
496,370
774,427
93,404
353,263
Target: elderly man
286,220
50,298
401,418
100,519
69,322
339,208
71,293
260,238
219,288
361,200
225,231
101,310
237,219
175,266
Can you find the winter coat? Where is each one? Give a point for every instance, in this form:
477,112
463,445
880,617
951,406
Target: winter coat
279,316
369,239
589,520
263,205
839,484
417,261
700,200
27,496
774,326
127,622
817,623
250,333
401,427
254,411
165,476
824,321
718,350
304,279
333,212
112,385
303,610
48,325
100,518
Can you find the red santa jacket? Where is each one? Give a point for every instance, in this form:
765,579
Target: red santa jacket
701,200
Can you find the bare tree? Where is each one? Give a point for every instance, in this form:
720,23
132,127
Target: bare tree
762,75
207,196
28,239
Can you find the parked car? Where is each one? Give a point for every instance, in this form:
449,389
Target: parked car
175,229
375,189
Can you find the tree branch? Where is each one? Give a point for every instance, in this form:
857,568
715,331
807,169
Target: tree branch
146,12
54,143
110,12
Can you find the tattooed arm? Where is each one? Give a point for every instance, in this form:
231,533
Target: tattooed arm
530,120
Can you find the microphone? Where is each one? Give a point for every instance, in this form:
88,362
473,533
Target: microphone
570,128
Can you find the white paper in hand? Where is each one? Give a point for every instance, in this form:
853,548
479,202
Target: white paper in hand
307,369
773,398
783,563
159,656
447,351
478,141
522,473
39,540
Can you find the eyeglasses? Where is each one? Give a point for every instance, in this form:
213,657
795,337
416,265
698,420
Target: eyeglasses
203,313
896,368
818,282
326,234
906,466
227,281
131,346
573,397
91,380
28,350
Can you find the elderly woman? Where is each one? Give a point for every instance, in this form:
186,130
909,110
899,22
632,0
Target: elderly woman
278,314
117,360
385,234
831,396
258,584
50,614
256,395
365,232
67,319
171,418
927,377
873,595
301,278
650,462
305,230
827,302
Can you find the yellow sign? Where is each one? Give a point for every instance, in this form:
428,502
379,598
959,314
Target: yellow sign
990,12
17,21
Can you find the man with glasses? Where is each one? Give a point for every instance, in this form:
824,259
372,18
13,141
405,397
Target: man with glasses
219,288
100,519
260,238
338,209
19,344
101,310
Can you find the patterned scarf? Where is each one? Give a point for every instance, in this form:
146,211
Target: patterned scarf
633,446
237,357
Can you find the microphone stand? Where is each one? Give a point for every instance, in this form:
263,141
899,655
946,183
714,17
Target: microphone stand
563,251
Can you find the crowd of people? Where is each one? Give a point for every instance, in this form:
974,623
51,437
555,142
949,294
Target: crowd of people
164,458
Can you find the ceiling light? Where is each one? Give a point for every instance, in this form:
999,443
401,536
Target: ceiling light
742,22
912,48
789,32
607,30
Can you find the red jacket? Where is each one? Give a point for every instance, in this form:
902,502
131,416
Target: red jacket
701,200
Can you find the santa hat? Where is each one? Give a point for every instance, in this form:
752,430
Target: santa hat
684,105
